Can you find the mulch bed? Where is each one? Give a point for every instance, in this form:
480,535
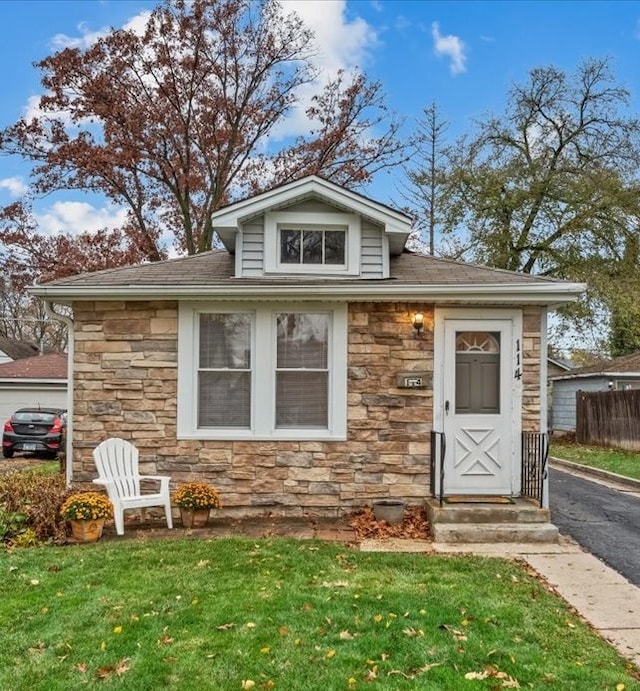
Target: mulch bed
415,525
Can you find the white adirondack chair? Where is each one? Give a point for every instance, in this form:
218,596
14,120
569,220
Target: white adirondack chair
117,464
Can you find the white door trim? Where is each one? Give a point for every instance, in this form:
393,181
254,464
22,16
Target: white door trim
516,367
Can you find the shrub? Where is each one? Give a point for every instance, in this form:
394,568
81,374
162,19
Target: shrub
31,500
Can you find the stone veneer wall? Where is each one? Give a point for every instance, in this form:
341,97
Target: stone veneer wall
531,354
125,383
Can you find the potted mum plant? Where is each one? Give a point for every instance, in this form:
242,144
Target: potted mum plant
86,512
195,501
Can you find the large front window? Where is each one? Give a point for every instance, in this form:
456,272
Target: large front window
262,373
224,370
302,370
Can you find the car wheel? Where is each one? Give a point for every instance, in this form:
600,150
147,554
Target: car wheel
8,453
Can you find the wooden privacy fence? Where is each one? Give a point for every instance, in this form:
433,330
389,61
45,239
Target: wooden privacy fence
608,418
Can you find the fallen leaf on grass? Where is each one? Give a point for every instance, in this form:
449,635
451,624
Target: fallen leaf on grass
122,666
372,674
411,632
493,672
225,627
118,669
335,584
416,673
458,635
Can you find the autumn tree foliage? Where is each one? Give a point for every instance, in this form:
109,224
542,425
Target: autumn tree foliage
181,119
28,256
550,187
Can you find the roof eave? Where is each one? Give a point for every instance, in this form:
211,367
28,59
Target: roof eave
586,375
549,295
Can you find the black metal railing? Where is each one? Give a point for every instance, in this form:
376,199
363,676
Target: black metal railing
438,448
535,455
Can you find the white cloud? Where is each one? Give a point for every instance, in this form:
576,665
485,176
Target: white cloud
402,23
88,37
450,46
15,186
78,217
339,44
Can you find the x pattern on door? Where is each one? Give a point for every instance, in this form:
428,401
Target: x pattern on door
477,451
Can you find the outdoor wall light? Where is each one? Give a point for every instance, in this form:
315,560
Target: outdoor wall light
418,322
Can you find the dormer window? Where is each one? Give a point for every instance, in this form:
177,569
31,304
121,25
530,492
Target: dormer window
312,243
313,246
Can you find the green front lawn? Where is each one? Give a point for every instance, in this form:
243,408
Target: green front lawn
286,615
625,463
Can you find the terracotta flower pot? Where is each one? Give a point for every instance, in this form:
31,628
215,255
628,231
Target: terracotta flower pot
87,531
194,518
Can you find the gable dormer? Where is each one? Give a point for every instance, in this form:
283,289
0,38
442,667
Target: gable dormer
314,229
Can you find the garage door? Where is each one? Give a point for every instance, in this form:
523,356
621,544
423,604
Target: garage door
42,395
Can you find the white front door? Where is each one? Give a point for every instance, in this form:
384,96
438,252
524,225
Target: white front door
479,399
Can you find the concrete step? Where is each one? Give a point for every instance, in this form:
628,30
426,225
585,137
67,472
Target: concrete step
520,511
494,532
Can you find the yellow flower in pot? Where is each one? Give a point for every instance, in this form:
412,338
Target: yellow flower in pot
195,500
87,512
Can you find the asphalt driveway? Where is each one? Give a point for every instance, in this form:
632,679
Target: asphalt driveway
602,517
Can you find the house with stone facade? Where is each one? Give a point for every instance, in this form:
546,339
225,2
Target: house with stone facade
313,364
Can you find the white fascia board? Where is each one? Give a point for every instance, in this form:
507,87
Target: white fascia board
545,294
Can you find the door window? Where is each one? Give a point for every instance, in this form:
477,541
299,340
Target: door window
477,372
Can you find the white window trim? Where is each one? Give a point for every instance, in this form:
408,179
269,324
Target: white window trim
262,372
301,220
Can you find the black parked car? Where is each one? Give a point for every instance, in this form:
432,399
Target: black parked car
39,430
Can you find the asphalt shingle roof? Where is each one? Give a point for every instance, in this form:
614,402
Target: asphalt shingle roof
17,349
624,364
52,366
217,267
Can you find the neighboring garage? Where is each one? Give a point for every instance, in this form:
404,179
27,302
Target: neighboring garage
619,374
33,381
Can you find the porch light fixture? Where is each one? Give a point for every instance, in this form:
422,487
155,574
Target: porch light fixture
418,322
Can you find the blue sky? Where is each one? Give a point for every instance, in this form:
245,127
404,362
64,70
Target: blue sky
462,55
